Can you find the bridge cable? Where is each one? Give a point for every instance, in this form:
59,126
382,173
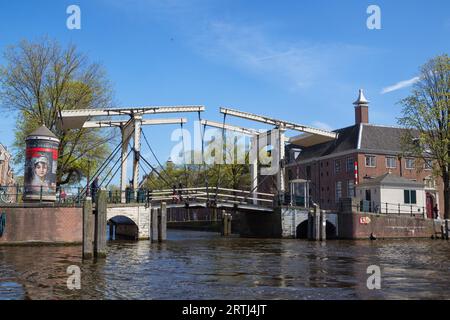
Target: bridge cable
97,173
186,174
121,163
153,168
156,158
115,172
147,176
205,174
107,160
223,148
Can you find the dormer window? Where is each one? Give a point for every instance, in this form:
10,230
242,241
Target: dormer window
410,163
428,165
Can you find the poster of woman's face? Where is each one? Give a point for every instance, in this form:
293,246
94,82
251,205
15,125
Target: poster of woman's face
40,168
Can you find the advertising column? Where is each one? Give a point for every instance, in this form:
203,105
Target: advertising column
41,157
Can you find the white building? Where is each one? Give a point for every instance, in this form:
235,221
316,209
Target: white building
392,194
6,173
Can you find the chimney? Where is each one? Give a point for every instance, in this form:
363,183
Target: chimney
361,109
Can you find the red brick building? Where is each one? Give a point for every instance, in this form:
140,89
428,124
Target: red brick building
374,149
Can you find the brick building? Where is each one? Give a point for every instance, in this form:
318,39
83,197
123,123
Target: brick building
6,173
361,152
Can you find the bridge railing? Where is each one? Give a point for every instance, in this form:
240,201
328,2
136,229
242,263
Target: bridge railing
64,196
204,194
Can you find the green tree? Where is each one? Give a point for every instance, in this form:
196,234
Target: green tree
231,174
38,81
426,115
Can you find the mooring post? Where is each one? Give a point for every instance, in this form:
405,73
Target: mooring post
162,223
446,229
310,225
100,224
314,224
323,225
230,217
225,223
317,226
88,229
154,224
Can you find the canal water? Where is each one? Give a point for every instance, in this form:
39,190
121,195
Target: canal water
203,265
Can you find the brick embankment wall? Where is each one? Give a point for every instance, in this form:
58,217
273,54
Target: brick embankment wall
46,225
362,225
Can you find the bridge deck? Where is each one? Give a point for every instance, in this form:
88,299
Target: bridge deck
219,205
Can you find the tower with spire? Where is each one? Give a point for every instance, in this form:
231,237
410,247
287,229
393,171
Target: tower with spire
361,108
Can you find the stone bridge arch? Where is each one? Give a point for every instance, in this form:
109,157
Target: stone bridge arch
123,227
294,223
301,231
130,214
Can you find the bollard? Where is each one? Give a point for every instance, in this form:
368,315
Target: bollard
314,224
224,223
88,229
154,225
230,217
310,225
446,229
317,225
100,224
162,223
323,225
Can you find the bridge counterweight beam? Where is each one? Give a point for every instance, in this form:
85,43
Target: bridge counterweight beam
280,140
137,149
126,136
254,166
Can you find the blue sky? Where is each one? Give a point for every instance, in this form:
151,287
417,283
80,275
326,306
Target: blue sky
302,61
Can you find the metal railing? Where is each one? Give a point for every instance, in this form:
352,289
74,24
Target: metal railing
76,195
14,194
412,210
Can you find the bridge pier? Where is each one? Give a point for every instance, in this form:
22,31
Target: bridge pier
94,227
88,229
159,223
162,223
317,222
226,223
100,225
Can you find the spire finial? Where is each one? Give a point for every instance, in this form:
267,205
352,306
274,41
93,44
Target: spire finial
361,99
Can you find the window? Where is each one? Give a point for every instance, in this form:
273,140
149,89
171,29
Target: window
410,196
350,164
428,164
430,182
371,161
338,190
337,166
308,172
350,188
390,162
410,163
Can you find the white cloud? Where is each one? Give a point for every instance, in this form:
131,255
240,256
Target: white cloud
321,125
400,85
254,49
295,64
